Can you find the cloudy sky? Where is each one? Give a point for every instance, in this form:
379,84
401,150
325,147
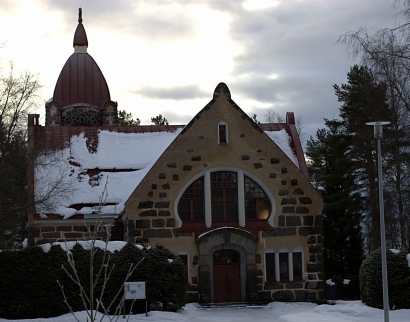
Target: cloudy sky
163,56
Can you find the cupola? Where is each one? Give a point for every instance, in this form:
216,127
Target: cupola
81,95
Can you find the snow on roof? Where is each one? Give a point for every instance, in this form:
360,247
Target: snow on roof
283,140
72,180
67,170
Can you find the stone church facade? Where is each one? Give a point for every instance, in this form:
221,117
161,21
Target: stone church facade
224,193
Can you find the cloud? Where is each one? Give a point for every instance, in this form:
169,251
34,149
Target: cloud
173,93
176,118
155,20
297,41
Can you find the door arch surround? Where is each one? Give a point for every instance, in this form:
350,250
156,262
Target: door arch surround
231,238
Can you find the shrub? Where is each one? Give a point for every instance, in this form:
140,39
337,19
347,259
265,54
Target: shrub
346,288
398,273
29,288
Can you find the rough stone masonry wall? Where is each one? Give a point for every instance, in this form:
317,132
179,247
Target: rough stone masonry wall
81,114
297,225
150,209
49,233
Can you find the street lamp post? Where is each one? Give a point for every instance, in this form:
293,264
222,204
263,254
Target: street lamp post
378,134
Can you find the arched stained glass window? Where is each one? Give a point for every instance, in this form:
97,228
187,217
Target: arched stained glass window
191,204
229,195
257,204
224,187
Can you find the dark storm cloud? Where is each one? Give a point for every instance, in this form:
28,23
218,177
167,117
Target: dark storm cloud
297,40
311,99
173,93
161,22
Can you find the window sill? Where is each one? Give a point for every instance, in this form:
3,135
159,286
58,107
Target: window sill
284,280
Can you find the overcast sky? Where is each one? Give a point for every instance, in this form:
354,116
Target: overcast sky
167,57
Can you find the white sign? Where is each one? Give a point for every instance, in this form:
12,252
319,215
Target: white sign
134,291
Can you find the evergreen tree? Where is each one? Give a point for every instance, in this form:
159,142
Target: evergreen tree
333,174
159,120
125,118
364,100
344,170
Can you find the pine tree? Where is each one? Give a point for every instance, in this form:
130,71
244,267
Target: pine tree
364,100
159,120
125,118
333,175
344,170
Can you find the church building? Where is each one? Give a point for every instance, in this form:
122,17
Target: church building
231,197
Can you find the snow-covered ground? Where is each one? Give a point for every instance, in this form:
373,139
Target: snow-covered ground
342,311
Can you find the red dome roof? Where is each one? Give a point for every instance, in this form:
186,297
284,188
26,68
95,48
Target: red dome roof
81,81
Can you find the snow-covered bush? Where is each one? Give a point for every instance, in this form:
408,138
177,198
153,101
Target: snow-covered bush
345,288
398,272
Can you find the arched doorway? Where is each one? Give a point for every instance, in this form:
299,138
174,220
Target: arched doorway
241,247
227,277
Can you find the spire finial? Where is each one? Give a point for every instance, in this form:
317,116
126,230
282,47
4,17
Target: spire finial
80,15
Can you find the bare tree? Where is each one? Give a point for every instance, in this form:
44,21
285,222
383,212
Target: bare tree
99,274
18,97
302,134
272,117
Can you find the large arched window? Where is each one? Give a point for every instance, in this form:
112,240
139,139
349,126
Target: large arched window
224,187
191,204
257,205
224,196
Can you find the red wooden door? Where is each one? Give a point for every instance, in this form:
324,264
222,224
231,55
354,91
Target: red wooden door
227,279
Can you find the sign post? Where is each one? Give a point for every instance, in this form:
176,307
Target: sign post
135,291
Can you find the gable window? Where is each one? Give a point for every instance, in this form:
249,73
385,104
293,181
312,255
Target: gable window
222,133
191,204
224,199
257,205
